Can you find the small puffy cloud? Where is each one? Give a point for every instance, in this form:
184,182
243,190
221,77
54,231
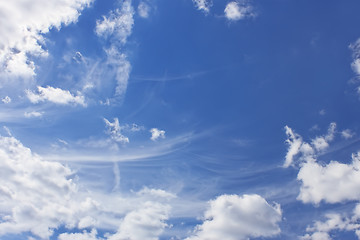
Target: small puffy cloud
347,134
33,114
234,217
156,134
6,100
26,24
118,24
35,195
322,112
115,131
55,95
238,10
306,152
203,5
143,10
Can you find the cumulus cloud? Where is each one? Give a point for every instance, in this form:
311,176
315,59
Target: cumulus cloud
39,196
143,10
6,100
156,134
203,5
26,26
306,152
234,217
145,223
115,131
36,195
238,10
333,182
321,230
55,95
118,24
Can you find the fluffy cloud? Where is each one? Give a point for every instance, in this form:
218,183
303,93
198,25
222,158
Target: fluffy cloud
118,24
156,134
143,10
234,217
238,10
306,152
26,24
203,5
39,196
36,195
115,131
145,223
55,95
334,222
333,182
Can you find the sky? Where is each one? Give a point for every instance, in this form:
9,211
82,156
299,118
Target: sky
181,119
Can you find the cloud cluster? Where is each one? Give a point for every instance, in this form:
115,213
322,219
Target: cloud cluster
234,217
203,5
26,23
238,10
156,134
39,196
334,182
334,222
55,95
117,27
143,9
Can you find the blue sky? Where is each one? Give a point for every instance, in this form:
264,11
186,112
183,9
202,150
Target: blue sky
183,119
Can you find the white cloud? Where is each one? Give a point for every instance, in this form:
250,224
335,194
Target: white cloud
39,196
26,24
333,183
145,223
234,217
334,222
156,134
118,25
115,131
80,236
238,10
143,10
203,5
36,195
6,99
121,67
347,134
304,151
55,95
355,47
33,114
322,112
